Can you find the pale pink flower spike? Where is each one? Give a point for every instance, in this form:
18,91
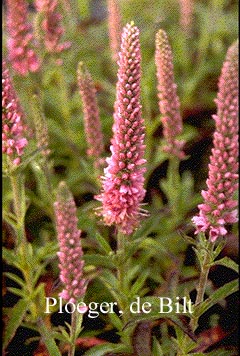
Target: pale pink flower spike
70,254
123,182
51,26
92,123
114,27
169,104
13,129
19,43
219,204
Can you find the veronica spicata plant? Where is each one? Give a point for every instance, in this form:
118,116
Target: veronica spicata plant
123,181
219,207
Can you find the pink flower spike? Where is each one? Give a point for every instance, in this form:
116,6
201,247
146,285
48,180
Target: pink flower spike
123,181
21,55
186,16
218,208
70,256
51,26
13,129
92,122
169,105
114,27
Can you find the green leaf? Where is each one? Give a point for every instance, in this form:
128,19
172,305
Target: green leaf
218,352
101,350
15,278
27,159
220,294
16,316
116,321
98,260
156,349
139,283
227,262
10,257
16,291
48,339
103,244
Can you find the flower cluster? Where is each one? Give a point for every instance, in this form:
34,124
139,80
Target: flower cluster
51,25
70,254
219,205
114,27
13,130
21,54
123,182
169,105
92,122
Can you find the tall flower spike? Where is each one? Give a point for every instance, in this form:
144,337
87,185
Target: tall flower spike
92,122
51,25
114,27
21,55
219,205
169,105
123,182
13,129
186,16
70,254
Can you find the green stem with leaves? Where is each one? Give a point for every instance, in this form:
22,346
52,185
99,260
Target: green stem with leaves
203,279
71,351
18,189
123,284
174,182
76,325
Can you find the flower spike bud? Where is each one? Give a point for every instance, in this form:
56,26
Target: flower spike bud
219,207
123,181
51,25
21,54
41,129
70,249
169,105
13,129
114,27
92,122
186,16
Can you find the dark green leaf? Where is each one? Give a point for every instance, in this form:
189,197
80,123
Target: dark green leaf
101,350
227,262
220,294
16,316
98,260
48,339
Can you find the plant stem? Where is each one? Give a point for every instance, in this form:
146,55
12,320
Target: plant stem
202,284
19,208
16,184
174,185
123,268
71,351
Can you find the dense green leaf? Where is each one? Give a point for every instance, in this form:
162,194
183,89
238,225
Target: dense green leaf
48,339
15,278
227,262
98,260
101,350
16,315
103,243
156,349
220,294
